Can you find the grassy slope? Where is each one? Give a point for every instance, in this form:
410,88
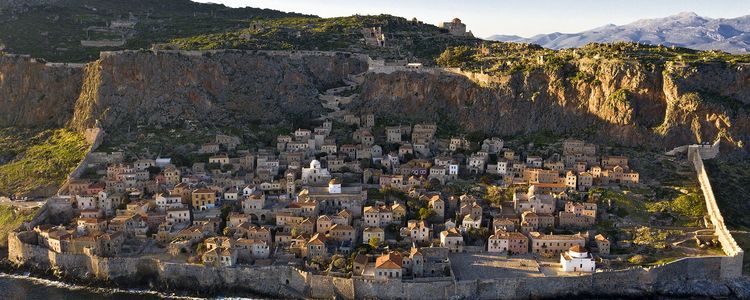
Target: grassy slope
10,219
44,158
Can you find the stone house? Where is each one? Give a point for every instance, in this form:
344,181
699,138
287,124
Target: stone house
248,248
225,257
316,247
602,244
323,224
178,216
531,221
373,232
342,233
209,148
577,215
470,222
508,242
417,231
203,199
554,244
504,224
530,201
437,205
388,266
452,239
392,181
377,216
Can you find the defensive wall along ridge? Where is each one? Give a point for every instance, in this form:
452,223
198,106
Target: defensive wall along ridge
731,264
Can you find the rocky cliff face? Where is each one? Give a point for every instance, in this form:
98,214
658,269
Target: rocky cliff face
220,89
607,100
625,102
169,88
34,94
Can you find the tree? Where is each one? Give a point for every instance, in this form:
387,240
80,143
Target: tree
227,167
339,263
201,248
153,170
425,213
374,242
455,56
365,163
494,195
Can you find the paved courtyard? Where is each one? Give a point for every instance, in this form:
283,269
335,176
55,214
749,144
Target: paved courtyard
471,266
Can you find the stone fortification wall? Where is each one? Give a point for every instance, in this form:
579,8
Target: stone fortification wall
277,281
688,276
731,265
295,54
94,137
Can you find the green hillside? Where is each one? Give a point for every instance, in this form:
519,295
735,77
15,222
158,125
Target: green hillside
36,161
403,38
55,31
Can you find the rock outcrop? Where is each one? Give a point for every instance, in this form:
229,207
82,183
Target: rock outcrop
607,100
209,88
632,103
35,94
170,88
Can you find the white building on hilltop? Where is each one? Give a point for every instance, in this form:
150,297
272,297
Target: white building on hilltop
577,259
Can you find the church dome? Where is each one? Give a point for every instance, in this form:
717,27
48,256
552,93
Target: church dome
315,164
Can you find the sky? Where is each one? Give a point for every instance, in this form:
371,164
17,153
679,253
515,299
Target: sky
513,17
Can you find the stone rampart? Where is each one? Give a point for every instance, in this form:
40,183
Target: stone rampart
675,278
731,265
294,54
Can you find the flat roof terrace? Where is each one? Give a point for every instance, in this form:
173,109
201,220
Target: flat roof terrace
473,266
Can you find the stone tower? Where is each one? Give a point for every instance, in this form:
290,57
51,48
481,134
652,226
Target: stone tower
291,186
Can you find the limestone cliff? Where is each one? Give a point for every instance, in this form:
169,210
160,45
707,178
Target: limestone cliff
607,100
208,88
35,94
632,103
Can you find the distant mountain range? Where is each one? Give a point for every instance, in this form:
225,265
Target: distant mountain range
685,30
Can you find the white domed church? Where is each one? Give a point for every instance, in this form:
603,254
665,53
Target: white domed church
577,259
315,174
